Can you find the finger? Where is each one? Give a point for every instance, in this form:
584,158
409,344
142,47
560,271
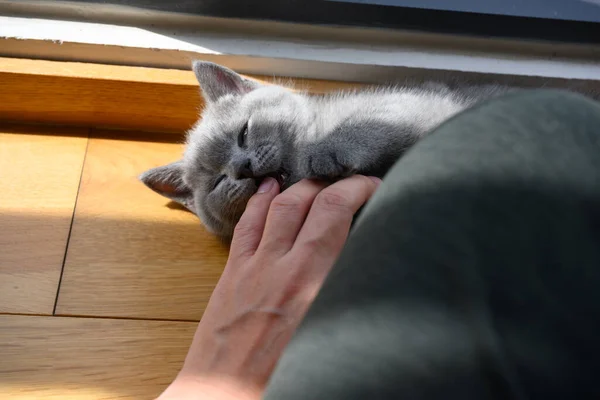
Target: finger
249,229
328,222
287,214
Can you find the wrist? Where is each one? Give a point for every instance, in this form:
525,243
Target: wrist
195,388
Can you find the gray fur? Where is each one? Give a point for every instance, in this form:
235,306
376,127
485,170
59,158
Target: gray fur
293,136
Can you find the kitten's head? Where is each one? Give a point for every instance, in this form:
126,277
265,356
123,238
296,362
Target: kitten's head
247,131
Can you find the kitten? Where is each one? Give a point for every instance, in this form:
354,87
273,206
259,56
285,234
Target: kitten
249,131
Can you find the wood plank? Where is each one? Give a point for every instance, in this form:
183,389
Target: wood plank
40,169
87,358
111,96
85,101
130,255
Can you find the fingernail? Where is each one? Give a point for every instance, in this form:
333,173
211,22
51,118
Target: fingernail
266,185
375,179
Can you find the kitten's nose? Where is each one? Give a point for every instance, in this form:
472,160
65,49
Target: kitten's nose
243,169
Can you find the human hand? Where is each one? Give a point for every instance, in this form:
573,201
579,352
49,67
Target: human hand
282,249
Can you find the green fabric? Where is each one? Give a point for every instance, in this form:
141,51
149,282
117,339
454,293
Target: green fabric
474,271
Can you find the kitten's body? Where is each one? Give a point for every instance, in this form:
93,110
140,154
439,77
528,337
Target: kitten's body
249,131
367,131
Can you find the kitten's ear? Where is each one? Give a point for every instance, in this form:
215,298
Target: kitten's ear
168,182
217,81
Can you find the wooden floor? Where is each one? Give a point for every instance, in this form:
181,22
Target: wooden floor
101,280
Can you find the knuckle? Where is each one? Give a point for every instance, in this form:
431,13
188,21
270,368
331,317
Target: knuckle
243,228
325,244
333,199
315,245
286,203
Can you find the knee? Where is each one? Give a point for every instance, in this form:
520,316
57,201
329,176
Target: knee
560,100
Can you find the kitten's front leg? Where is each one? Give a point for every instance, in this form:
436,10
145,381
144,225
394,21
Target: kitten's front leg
328,161
368,147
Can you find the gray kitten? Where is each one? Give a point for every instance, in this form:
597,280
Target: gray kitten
249,131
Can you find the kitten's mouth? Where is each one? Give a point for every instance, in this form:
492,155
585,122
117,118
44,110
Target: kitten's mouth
281,176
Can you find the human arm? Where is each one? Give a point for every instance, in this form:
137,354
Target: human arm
282,250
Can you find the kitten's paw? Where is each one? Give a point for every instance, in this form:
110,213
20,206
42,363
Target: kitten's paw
327,165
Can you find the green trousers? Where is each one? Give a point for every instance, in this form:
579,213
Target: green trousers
474,271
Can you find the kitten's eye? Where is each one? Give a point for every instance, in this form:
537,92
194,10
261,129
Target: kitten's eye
242,136
219,180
